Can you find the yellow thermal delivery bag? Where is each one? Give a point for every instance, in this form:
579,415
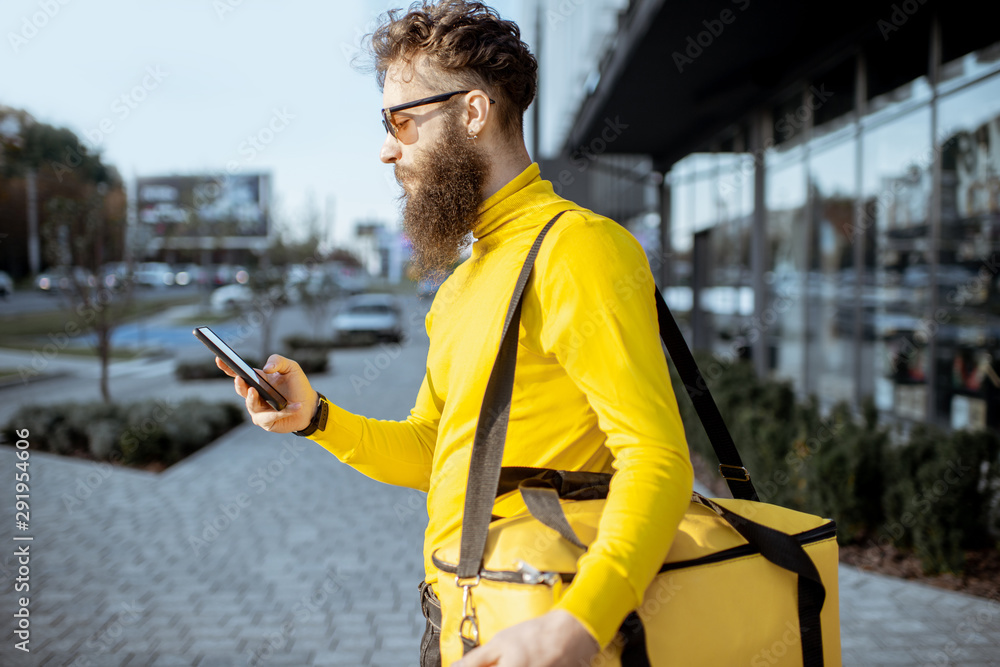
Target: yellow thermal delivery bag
744,583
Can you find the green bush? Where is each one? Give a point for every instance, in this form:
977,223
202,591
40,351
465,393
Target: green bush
311,361
297,342
936,493
938,502
134,434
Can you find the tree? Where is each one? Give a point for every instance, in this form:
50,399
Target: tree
38,161
77,234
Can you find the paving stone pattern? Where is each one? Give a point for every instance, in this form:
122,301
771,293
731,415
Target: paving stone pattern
210,563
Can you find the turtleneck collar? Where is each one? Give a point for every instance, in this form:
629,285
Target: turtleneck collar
507,206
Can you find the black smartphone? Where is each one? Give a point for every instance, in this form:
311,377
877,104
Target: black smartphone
242,368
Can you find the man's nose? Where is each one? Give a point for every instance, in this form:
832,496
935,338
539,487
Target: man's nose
390,149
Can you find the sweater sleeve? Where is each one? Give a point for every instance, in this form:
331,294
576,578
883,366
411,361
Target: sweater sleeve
602,327
394,452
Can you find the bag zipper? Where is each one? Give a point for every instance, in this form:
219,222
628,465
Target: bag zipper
527,574
817,534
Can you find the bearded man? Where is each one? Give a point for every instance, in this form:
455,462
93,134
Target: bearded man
591,389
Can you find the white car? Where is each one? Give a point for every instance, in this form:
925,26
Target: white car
154,274
231,297
369,317
6,284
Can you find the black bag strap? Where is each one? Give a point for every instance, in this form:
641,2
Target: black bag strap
491,430
730,464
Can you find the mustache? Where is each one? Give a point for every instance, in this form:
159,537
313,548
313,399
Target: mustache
404,174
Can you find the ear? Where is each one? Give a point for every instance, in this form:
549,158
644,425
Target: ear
478,111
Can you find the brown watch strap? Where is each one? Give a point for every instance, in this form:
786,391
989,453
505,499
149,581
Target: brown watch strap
318,422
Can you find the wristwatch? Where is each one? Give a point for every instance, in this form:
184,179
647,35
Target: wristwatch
319,417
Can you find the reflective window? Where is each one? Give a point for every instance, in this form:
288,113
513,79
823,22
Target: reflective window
728,297
895,228
968,274
834,301
783,318
968,67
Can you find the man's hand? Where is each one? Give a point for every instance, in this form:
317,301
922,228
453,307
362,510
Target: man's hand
287,377
556,639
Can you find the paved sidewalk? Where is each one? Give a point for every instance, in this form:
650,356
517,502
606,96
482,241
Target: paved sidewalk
259,545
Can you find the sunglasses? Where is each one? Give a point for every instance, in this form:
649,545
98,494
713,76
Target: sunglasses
387,112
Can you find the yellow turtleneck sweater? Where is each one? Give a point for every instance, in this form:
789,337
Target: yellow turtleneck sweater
591,392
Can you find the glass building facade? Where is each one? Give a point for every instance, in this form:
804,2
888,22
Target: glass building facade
878,241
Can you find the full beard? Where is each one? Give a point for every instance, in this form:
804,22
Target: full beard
440,201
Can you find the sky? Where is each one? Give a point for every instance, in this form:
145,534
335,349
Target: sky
180,87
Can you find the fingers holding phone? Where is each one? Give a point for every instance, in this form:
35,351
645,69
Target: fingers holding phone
274,395
287,377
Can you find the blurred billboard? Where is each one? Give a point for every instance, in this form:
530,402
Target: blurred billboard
184,210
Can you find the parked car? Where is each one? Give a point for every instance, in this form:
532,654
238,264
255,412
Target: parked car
114,274
59,279
190,274
154,274
6,284
226,274
370,318
231,297
351,279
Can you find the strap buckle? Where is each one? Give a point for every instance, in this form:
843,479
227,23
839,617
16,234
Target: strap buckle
468,609
744,478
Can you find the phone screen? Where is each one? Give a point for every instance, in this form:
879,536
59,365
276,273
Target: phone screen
268,393
230,352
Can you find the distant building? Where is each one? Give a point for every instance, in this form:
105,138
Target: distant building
822,187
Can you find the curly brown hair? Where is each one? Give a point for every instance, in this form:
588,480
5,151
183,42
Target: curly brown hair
467,44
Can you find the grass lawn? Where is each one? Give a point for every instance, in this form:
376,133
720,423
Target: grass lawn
83,352
20,331
8,373
205,318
